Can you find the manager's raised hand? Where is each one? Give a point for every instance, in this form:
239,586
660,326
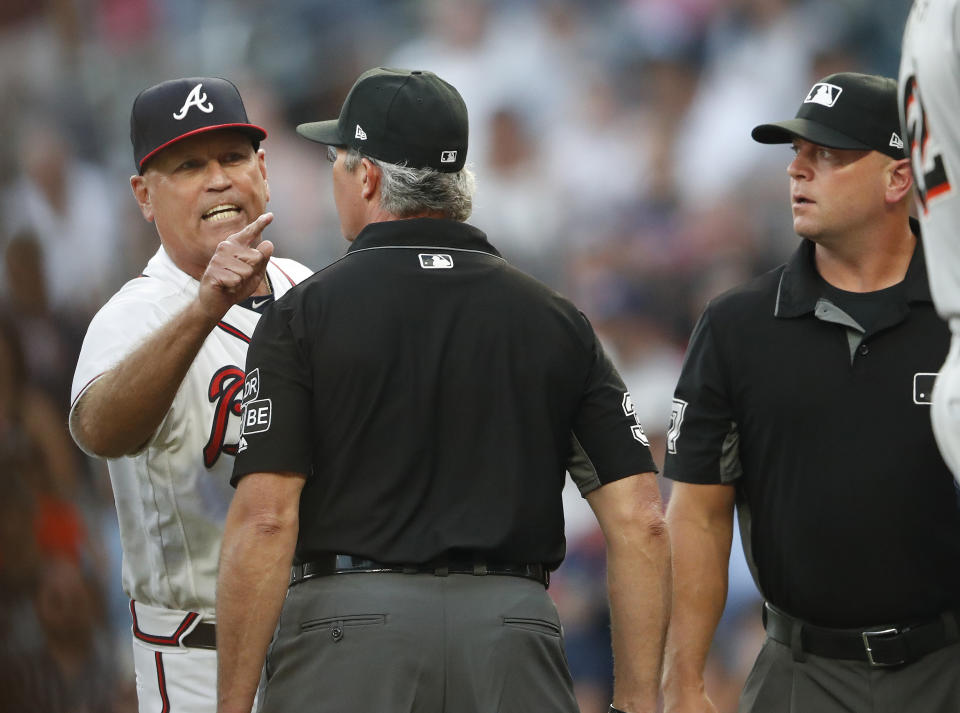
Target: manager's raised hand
236,269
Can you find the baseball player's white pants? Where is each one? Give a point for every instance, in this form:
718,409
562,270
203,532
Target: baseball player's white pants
171,678
946,404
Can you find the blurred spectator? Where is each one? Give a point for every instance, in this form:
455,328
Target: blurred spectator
516,202
68,205
306,227
33,436
71,673
52,340
595,162
757,53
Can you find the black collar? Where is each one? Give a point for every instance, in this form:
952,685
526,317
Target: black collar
800,285
423,232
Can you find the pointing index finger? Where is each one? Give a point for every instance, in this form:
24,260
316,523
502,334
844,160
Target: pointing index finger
248,236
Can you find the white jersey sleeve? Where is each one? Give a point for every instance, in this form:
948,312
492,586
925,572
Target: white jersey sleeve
125,322
929,96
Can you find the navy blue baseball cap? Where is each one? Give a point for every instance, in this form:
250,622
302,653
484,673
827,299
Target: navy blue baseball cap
400,116
844,111
178,108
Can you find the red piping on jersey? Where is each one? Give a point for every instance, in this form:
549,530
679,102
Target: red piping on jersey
85,387
289,279
162,683
172,640
233,331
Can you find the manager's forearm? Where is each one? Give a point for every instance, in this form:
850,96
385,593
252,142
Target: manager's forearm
120,412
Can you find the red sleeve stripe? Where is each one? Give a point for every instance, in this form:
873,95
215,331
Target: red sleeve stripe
80,393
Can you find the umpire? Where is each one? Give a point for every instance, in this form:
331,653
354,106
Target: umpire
409,415
804,399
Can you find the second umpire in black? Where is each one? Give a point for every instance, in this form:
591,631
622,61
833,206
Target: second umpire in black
804,398
409,416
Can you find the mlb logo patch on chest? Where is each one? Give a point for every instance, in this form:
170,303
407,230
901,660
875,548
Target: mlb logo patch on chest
435,261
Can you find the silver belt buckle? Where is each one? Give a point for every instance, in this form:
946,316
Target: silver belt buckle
866,645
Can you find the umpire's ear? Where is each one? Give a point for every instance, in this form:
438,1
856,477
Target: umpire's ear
142,194
899,179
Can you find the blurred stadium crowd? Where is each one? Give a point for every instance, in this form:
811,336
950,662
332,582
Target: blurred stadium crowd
611,139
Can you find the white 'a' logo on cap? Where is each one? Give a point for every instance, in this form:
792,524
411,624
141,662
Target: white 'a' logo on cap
896,141
824,94
360,134
194,98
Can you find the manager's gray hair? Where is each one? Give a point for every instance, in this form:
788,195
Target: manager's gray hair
405,191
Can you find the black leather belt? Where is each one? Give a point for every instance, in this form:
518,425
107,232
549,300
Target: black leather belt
346,564
880,646
203,636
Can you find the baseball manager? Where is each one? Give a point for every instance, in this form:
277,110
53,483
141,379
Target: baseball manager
158,384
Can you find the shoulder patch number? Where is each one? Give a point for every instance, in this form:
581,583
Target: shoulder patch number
929,172
637,429
676,421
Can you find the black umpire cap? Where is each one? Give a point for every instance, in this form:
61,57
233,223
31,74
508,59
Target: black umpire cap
178,108
400,116
844,111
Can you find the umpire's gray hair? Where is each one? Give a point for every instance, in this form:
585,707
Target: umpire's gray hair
404,191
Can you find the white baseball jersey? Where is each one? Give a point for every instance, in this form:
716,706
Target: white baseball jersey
172,496
929,96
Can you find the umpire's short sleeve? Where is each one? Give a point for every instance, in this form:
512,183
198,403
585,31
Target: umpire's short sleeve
702,435
277,420
608,442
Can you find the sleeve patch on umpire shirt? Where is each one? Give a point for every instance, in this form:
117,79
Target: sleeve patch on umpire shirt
676,420
637,428
434,261
256,416
251,385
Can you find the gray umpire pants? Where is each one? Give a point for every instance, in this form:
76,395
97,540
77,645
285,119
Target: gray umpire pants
779,684
418,643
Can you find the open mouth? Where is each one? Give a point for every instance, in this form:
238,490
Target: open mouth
224,211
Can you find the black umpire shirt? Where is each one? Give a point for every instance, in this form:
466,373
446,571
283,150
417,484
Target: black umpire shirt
849,515
434,396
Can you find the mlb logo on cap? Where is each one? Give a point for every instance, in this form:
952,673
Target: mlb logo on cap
411,117
866,119
823,93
